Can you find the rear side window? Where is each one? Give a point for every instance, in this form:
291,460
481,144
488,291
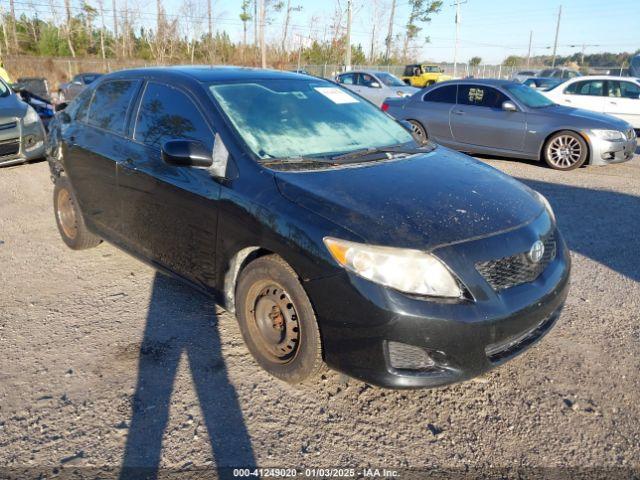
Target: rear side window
446,94
587,87
168,114
623,89
110,105
480,96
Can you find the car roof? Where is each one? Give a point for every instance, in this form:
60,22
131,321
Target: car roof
490,82
206,73
604,77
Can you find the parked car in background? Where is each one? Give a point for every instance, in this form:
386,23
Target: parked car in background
539,83
634,67
423,75
559,73
500,117
617,96
21,131
69,90
330,232
375,86
522,75
35,85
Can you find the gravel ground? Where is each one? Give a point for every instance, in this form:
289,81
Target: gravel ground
81,332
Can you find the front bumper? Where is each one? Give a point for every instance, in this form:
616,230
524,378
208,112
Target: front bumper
20,143
358,319
604,152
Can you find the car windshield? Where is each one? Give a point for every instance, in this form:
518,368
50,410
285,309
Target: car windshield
299,118
5,91
390,80
528,96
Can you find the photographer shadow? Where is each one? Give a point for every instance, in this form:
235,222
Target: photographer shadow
182,320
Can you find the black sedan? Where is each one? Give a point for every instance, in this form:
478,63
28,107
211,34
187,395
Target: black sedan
333,235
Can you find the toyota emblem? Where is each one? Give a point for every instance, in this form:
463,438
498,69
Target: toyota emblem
536,252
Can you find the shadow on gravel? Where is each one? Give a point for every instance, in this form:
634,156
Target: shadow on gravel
181,320
599,224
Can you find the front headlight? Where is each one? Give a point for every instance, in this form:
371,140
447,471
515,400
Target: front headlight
547,205
409,271
31,116
611,135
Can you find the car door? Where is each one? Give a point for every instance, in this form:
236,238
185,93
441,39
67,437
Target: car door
478,119
95,144
169,213
623,101
587,94
370,88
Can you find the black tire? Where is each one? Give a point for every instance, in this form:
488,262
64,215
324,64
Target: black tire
286,341
69,218
565,150
419,132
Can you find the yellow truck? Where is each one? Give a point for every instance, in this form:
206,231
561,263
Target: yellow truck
423,75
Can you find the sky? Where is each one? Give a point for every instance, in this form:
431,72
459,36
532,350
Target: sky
490,29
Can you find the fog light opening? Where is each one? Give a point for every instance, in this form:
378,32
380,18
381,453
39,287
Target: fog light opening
414,359
31,142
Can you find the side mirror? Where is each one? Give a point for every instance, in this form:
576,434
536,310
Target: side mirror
509,106
77,82
186,153
374,85
60,106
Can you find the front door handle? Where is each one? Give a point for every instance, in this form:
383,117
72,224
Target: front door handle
458,112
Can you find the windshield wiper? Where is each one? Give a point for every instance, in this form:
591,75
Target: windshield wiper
390,149
295,160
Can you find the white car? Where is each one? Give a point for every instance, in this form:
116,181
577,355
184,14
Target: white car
375,86
617,96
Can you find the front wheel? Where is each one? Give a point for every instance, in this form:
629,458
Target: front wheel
565,150
419,132
277,321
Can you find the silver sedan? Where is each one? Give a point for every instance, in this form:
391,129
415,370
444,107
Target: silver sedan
500,117
375,86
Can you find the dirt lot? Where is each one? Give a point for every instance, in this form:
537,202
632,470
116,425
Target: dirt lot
82,332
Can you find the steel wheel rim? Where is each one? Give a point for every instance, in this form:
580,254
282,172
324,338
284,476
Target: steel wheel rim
418,131
275,324
66,213
564,151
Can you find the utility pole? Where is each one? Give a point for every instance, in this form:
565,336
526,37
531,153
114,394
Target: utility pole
263,47
210,28
529,52
347,55
555,42
455,48
255,23
389,38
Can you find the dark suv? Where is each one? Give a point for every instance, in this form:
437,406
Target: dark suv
331,233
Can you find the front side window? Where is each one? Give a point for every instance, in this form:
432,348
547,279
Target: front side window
168,114
365,80
294,118
79,106
623,89
480,96
347,79
110,104
446,94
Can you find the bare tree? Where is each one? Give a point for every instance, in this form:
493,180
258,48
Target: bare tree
14,33
67,8
210,28
102,28
263,46
115,26
287,18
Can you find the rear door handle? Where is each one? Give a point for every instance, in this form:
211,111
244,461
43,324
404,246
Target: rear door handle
613,103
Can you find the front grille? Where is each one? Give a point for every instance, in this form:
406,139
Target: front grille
517,269
9,147
509,348
8,126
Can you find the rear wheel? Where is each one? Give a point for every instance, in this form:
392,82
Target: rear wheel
69,219
277,321
565,150
418,131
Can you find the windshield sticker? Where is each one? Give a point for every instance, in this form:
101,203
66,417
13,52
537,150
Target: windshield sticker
336,95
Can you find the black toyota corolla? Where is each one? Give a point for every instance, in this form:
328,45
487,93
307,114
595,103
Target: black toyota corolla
332,234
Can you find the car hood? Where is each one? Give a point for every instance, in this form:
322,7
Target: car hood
12,106
421,202
585,118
